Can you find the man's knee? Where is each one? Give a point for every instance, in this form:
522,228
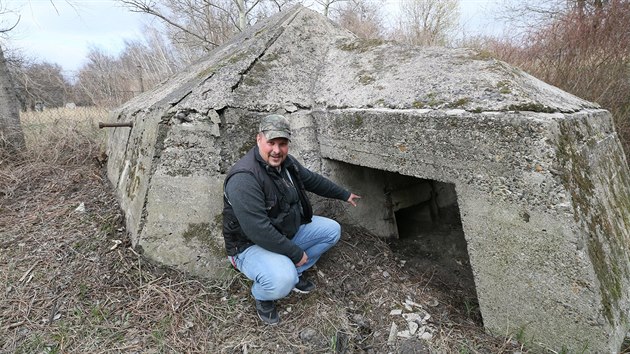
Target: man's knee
335,231
280,284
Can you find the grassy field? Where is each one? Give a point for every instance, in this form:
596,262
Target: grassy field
72,283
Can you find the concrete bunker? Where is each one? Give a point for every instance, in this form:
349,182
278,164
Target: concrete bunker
543,187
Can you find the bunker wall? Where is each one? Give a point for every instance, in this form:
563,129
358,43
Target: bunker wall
527,245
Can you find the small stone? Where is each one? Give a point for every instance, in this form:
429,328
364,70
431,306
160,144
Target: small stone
386,274
395,312
413,327
404,334
411,317
412,303
391,340
433,302
426,336
307,334
80,208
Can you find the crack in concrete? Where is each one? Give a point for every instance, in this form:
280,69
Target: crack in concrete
270,42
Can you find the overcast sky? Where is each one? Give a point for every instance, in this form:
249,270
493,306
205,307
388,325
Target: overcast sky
63,33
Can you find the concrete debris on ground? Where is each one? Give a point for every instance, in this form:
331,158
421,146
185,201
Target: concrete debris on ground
416,318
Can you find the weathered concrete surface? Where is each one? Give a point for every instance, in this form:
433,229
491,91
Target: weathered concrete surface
541,182
547,232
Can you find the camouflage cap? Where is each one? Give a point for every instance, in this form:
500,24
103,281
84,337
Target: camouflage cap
275,126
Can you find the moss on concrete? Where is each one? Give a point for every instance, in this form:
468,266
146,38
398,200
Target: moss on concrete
237,57
257,73
270,57
357,122
199,231
482,55
202,233
218,220
418,104
247,145
206,73
459,103
366,79
504,87
605,245
532,107
229,61
432,100
360,45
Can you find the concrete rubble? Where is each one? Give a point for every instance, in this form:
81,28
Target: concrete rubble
417,324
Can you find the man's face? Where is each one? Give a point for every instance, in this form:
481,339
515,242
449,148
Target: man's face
273,151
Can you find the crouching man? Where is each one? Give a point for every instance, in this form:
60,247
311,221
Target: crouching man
270,232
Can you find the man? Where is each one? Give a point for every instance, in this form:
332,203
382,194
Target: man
270,232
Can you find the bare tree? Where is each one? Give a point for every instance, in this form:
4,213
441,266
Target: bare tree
100,80
267,8
42,83
202,24
584,48
426,22
149,62
362,17
111,80
524,16
327,5
11,134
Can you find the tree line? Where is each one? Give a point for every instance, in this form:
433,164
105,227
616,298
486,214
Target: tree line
581,46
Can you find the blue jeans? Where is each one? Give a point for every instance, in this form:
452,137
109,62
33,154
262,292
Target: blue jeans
274,274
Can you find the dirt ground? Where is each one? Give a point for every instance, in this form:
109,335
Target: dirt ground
73,284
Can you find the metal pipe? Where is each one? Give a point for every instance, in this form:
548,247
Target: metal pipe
114,125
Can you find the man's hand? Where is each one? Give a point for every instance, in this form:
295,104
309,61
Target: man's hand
303,260
353,199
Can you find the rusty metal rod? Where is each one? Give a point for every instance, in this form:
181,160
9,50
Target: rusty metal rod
114,125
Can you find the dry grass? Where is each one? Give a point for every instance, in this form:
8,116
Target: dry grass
73,284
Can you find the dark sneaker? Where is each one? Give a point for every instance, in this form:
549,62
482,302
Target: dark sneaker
267,312
304,286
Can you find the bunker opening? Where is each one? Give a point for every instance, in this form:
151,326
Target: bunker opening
421,220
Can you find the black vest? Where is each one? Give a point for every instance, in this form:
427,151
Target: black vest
285,215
